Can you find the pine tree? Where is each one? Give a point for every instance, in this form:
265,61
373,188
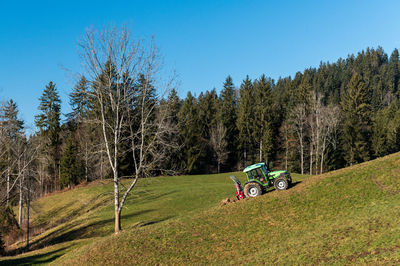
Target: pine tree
227,115
172,164
263,117
357,123
70,166
189,125
393,72
12,128
48,122
245,119
79,100
208,105
145,96
9,120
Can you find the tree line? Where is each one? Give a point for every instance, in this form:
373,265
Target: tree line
126,124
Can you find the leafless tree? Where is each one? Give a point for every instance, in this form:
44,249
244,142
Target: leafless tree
298,120
219,143
314,125
114,62
330,119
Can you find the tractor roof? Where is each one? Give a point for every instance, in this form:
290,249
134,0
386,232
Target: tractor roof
253,166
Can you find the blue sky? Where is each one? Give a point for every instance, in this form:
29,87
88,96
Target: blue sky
203,40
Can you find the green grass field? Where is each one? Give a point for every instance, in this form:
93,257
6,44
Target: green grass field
349,216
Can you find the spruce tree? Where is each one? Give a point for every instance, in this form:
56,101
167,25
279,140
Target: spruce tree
357,121
70,166
245,119
263,117
227,115
48,122
190,132
10,121
173,160
12,128
393,72
79,100
208,104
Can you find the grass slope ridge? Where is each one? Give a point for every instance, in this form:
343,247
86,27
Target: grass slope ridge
347,216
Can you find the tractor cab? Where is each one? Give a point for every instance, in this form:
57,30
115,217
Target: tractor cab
259,178
257,172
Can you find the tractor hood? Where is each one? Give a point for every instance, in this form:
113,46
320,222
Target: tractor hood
277,173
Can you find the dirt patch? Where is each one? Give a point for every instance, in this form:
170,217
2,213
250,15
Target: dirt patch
227,201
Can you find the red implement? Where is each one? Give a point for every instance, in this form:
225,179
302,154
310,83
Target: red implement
239,190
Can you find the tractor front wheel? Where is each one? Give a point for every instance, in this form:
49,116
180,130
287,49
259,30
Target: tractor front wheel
281,183
252,190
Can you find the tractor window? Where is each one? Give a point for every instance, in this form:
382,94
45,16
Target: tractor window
257,174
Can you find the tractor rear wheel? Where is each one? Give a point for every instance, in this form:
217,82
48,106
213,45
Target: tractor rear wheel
281,183
252,190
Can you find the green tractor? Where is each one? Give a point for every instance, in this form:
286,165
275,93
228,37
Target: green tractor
259,178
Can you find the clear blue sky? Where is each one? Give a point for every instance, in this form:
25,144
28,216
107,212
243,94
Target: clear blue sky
203,40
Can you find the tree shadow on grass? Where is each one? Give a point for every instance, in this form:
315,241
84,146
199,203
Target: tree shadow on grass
94,229
42,258
73,231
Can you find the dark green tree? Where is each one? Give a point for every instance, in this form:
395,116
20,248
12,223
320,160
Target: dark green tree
70,167
48,122
386,130
190,133
357,121
393,72
12,128
227,115
79,100
172,163
263,132
10,121
245,119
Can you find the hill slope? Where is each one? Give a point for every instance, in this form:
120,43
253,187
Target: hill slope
346,216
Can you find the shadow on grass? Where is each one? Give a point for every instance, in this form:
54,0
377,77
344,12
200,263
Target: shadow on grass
36,259
70,232
294,184
269,190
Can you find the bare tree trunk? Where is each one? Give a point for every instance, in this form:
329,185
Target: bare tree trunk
8,185
20,198
86,162
101,164
261,144
302,155
245,156
286,147
117,228
311,157
28,205
322,157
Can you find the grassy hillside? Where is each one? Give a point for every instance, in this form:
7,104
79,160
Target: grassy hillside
73,218
342,217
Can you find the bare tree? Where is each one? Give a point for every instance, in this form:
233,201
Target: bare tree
219,143
330,119
298,120
114,63
314,125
